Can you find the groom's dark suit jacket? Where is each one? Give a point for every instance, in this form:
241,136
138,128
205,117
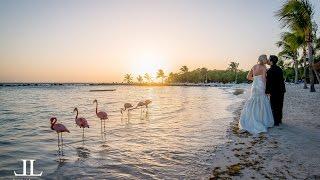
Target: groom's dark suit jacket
275,86
275,82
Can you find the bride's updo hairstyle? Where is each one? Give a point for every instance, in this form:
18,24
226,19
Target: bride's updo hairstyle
262,58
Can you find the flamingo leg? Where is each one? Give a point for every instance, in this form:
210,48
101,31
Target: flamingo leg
61,140
129,116
83,133
101,125
58,139
104,125
61,145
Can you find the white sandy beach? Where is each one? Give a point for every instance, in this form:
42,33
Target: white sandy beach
290,151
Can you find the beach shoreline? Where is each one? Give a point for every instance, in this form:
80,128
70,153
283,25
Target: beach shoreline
290,151
46,84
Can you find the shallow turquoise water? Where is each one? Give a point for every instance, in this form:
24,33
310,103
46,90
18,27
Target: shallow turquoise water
174,138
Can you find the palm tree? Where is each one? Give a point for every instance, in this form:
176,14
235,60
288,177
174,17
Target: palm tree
140,79
147,77
204,74
285,66
317,56
304,57
281,63
160,74
233,66
128,78
184,69
290,44
171,77
317,48
297,16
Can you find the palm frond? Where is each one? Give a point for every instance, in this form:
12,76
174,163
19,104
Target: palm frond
296,15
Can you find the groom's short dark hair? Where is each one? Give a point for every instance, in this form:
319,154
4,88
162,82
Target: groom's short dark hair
273,59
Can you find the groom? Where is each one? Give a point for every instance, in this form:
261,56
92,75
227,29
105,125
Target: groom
275,88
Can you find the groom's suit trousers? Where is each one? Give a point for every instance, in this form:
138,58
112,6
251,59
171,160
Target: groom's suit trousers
276,101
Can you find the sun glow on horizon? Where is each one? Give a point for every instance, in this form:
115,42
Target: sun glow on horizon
149,63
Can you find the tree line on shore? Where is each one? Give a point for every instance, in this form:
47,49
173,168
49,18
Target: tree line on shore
200,75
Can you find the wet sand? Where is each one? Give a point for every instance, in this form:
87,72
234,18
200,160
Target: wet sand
290,151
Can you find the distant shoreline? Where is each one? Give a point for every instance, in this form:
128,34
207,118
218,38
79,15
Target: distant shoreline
215,84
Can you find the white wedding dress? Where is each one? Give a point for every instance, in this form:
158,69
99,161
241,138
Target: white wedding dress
256,116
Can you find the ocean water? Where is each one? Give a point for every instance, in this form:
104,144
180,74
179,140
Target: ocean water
175,138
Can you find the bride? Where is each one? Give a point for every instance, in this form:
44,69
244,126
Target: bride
256,116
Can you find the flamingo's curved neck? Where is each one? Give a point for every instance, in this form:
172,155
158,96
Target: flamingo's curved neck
77,114
53,123
96,107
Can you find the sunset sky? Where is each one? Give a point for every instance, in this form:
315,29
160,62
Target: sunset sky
100,41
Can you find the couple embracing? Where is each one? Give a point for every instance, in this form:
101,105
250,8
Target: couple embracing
264,107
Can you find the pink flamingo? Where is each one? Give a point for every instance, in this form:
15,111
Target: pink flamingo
59,128
147,102
81,122
101,114
126,106
140,105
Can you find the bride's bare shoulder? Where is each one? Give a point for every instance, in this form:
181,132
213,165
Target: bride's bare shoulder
255,66
259,66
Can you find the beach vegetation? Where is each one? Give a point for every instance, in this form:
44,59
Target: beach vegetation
128,78
160,74
297,17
